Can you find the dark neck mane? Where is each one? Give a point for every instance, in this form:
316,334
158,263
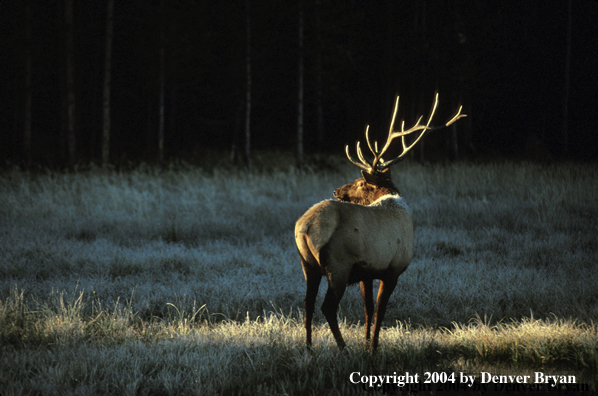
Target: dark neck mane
382,191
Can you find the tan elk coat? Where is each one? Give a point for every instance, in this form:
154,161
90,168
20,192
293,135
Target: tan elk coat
372,239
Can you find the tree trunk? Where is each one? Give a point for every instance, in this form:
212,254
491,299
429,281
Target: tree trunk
414,116
453,137
28,113
107,82
62,138
300,92
162,89
235,152
70,82
390,69
247,157
319,89
566,98
149,148
454,151
424,49
173,110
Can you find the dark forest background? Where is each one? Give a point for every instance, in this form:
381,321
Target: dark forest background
504,61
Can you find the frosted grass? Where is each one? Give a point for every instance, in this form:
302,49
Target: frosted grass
137,267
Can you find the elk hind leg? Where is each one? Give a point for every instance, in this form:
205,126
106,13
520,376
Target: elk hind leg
330,307
386,289
368,302
312,280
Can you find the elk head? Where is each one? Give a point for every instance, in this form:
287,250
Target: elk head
376,181
367,189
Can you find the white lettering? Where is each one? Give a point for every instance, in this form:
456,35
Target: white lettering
539,378
553,380
571,379
466,379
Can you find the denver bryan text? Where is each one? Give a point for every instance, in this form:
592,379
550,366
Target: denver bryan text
539,378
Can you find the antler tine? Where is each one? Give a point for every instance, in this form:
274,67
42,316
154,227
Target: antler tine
425,128
364,164
379,154
378,164
367,139
409,131
360,155
456,117
392,135
365,168
417,125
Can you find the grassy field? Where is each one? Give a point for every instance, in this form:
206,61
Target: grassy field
187,281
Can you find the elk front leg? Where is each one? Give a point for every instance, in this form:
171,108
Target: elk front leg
368,303
386,289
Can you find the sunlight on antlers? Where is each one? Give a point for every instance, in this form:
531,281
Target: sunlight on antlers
376,165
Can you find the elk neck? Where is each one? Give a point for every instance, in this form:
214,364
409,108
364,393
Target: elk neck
384,191
392,200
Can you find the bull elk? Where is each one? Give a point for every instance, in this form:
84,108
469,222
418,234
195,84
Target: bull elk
367,234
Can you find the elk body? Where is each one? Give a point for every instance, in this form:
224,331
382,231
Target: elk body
367,234
349,243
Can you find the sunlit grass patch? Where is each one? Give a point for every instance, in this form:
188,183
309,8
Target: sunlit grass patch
191,353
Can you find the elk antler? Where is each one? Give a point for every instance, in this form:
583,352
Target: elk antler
378,165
